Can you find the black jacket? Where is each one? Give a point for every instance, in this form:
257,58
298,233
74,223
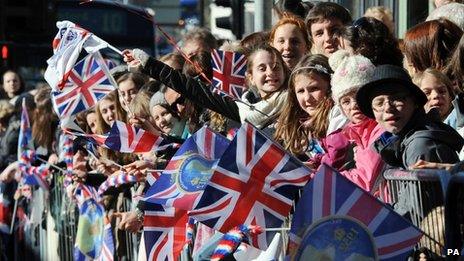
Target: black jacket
9,143
192,89
424,137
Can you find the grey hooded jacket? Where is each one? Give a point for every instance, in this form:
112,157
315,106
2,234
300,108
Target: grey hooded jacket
424,137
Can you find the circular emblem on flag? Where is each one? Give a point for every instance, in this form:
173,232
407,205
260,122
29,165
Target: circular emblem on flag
194,173
337,238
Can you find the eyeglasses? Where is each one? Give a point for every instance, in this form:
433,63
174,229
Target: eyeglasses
397,101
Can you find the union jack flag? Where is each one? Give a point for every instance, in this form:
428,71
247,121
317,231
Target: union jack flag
229,72
126,138
87,83
254,183
32,175
107,252
164,230
182,182
25,132
331,203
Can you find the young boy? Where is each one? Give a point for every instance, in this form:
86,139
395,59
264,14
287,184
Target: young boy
397,104
323,21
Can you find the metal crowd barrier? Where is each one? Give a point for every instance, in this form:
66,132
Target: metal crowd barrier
59,215
420,197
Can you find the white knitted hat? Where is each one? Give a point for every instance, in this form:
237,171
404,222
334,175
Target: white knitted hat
350,73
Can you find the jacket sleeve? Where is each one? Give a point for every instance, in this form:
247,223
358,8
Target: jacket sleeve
337,147
428,150
367,169
8,153
192,89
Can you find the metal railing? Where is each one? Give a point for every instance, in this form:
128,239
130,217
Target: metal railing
420,197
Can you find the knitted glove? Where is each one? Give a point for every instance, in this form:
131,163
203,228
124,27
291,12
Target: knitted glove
141,57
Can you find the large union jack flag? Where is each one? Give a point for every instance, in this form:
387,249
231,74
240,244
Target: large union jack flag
164,230
182,182
87,83
254,184
331,203
229,72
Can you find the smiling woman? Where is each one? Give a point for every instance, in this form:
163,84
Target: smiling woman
290,38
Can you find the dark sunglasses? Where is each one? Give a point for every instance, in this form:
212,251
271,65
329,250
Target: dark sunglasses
178,101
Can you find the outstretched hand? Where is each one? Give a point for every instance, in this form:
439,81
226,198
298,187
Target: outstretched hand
422,164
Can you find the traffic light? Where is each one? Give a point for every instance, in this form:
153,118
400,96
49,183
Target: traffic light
4,52
234,22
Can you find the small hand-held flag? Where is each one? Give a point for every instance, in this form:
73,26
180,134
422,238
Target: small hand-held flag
87,83
229,72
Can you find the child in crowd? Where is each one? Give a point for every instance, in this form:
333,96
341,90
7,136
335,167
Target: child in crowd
309,113
397,104
165,119
91,120
323,22
266,72
129,85
350,73
109,110
439,91
290,38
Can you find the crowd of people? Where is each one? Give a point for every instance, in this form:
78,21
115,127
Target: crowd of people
330,90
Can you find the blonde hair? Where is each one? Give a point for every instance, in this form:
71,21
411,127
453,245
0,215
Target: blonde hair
140,105
419,76
382,14
289,131
6,109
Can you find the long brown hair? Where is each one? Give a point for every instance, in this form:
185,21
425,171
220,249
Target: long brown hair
429,44
289,131
44,119
103,128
